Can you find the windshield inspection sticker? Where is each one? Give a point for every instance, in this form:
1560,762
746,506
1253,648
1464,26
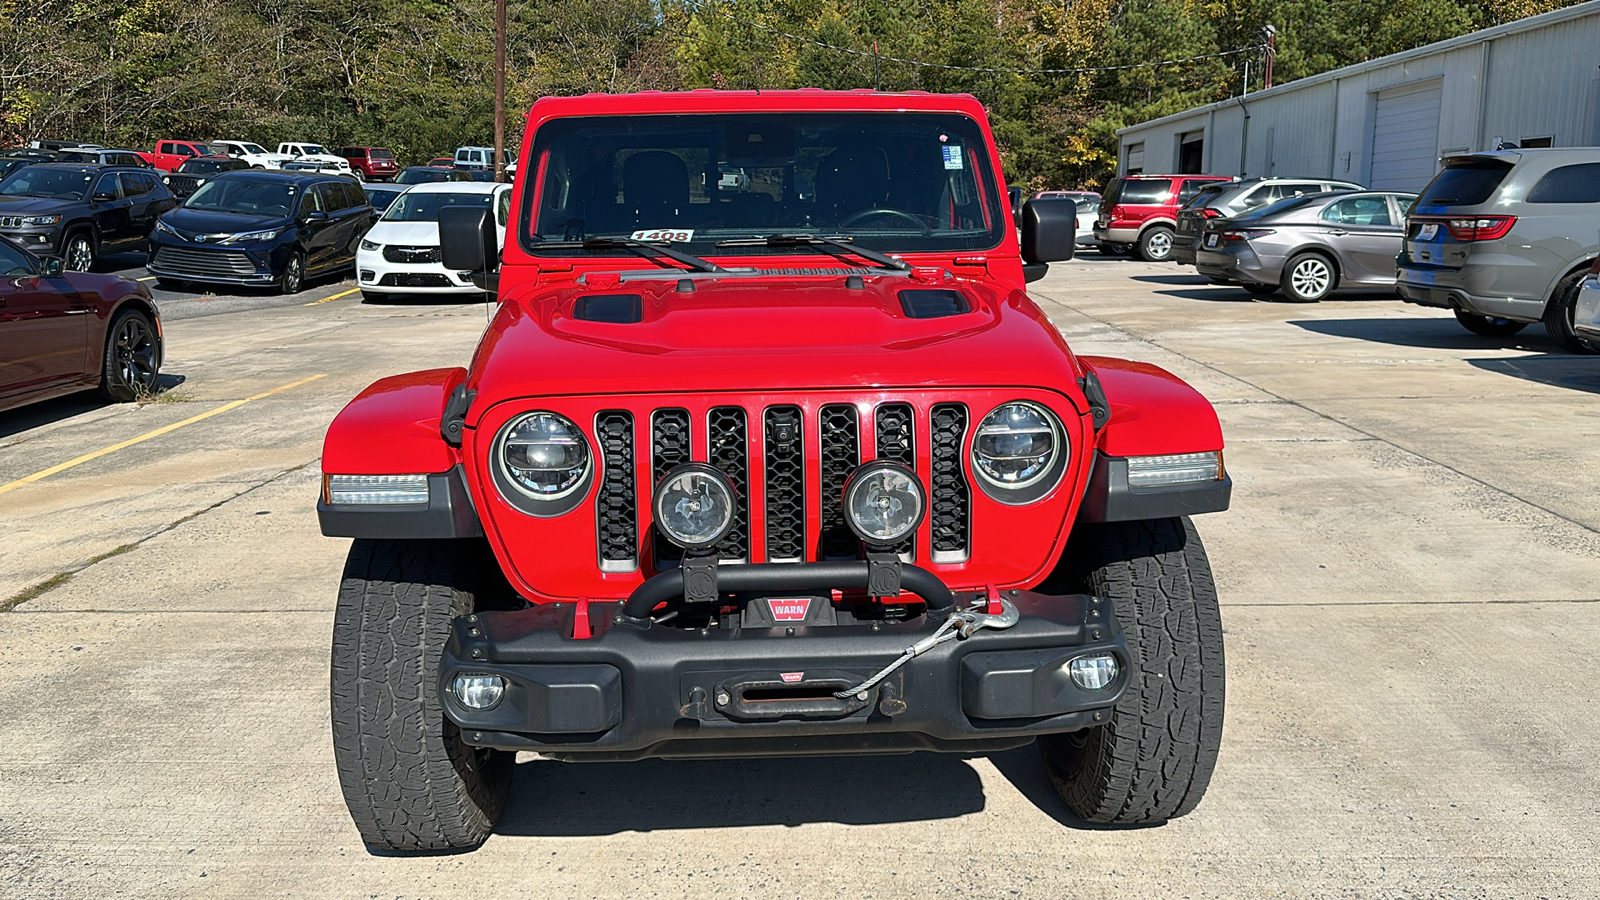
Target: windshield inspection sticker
670,235
952,156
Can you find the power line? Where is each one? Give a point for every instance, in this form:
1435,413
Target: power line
1081,70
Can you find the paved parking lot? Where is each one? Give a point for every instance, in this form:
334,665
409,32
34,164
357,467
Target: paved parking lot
1409,578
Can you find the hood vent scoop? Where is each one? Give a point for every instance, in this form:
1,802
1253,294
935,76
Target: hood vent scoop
933,303
617,309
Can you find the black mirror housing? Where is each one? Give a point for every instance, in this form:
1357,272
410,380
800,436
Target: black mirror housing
1049,231
469,242
51,266
103,197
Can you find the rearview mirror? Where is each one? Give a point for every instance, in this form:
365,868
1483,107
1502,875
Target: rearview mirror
1049,230
52,266
469,242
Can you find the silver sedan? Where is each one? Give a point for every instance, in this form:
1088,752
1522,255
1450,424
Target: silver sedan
1309,245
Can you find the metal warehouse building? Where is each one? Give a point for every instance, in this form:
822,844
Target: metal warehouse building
1387,122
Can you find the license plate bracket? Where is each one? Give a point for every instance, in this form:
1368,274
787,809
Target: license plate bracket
1211,241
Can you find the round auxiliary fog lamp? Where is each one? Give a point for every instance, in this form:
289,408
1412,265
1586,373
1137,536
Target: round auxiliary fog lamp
694,506
884,503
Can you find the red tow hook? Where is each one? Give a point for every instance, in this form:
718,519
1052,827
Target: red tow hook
580,621
993,608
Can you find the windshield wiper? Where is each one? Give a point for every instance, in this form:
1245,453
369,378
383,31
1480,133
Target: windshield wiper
777,241
646,249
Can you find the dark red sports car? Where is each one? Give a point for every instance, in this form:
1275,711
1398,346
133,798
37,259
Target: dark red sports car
62,332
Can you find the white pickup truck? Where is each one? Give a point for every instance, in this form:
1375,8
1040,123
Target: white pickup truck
316,153
256,155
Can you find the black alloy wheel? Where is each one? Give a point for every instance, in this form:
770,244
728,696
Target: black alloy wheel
77,255
294,274
132,357
1560,310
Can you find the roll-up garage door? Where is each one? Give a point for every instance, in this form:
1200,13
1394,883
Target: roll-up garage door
1405,137
1135,164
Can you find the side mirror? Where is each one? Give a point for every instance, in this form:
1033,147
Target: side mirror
469,242
1049,231
103,197
316,216
52,266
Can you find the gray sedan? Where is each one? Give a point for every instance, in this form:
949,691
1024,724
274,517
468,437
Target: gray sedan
1309,245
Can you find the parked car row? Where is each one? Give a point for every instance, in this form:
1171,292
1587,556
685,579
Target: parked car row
169,155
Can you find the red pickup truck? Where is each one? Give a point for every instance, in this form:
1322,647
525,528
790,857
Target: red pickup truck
169,155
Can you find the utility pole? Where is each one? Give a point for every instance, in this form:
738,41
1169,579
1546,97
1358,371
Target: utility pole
500,90
1272,51
877,70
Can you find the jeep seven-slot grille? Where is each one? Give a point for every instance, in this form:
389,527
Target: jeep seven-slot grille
785,501
784,492
616,509
897,442
841,453
725,434
950,500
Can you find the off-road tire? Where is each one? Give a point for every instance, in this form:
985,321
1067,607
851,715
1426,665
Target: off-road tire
1260,290
1155,245
1302,284
1488,326
130,363
1153,760
411,783
1559,311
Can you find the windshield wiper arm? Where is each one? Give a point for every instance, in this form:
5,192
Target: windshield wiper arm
884,261
643,248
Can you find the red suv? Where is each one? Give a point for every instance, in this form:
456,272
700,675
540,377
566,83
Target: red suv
1142,210
370,163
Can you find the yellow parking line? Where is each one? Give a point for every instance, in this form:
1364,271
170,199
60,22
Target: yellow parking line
335,296
61,467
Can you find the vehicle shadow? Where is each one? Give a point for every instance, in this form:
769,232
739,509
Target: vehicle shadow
551,798
1170,279
428,299
1551,366
1219,293
56,409
1023,768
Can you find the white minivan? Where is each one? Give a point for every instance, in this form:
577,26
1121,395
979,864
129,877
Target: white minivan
483,158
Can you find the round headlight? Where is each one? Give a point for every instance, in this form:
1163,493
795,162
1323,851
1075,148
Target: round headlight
543,456
694,506
883,503
1015,445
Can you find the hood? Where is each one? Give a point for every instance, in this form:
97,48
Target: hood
767,333
32,206
205,221
412,234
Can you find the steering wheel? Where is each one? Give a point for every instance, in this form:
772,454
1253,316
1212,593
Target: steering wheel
864,214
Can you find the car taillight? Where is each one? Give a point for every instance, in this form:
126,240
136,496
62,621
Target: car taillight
1210,213
1246,234
1484,228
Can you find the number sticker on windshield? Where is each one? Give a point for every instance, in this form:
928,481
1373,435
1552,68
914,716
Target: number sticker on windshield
952,156
670,235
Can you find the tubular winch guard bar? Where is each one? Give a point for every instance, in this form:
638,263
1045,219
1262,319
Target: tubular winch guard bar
787,578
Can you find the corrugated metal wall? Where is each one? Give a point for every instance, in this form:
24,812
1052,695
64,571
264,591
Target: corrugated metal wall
1538,82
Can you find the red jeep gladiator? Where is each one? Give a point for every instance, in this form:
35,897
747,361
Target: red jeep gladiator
768,452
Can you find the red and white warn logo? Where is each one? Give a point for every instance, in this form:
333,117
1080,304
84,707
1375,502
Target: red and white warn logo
789,610
791,677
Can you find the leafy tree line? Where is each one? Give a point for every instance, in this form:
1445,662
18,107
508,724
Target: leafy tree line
417,75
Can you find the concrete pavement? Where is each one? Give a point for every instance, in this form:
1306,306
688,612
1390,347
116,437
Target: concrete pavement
1409,581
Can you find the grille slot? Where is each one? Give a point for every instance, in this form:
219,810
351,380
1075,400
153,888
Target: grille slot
897,442
200,263
950,500
785,484
726,435
669,446
616,511
398,254
841,454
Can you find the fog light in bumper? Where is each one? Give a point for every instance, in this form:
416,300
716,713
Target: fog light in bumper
1094,672
386,490
1176,468
477,691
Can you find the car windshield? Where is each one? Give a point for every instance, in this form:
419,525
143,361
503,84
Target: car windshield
897,182
251,148
55,184
205,166
312,149
424,207
422,175
257,198
380,199
7,166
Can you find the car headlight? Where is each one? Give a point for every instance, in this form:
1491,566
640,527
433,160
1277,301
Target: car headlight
245,237
883,503
40,220
694,506
370,245
543,456
1015,446
164,228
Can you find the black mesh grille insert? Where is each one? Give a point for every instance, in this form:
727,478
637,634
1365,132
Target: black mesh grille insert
951,500
669,446
841,453
730,451
897,443
616,511
785,483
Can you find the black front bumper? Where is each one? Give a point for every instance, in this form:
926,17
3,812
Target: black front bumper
628,691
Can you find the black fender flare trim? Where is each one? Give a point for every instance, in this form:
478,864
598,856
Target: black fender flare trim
448,514
1109,497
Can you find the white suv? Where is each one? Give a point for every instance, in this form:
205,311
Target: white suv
256,155
333,165
400,254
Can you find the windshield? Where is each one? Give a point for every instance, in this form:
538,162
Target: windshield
312,150
380,198
422,175
56,184
251,148
256,198
424,207
896,182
